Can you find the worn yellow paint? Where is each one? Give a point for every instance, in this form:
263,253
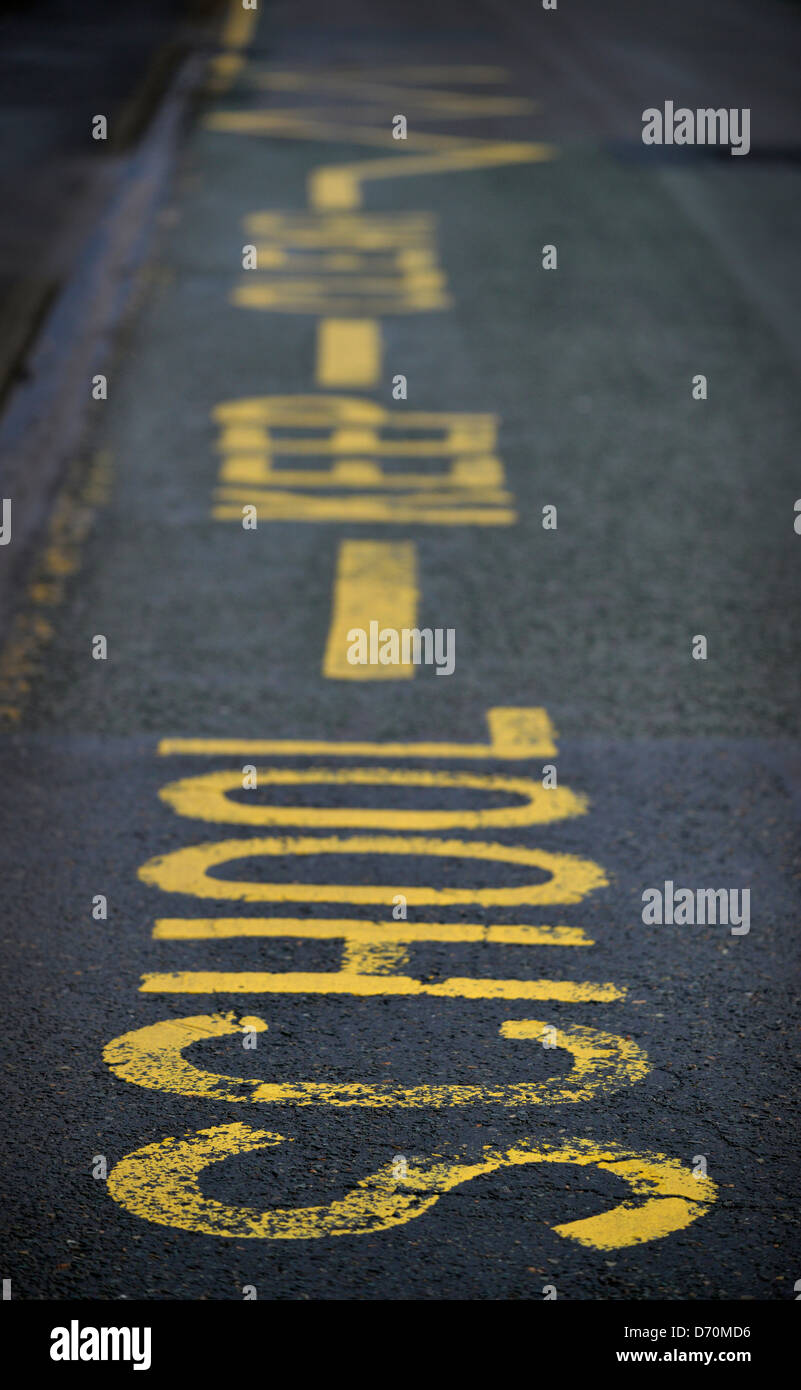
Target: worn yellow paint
376,955
206,798
161,1183
348,352
376,581
152,1057
367,986
515,733
414,509
188,871
84,492
356,931
375,948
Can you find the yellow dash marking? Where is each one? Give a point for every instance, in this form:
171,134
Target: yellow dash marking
348,352
162,1183
236,35
376,581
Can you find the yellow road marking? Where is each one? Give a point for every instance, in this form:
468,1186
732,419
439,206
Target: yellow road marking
161,1183
236,35
355,436
474,73
312,123
349,266
410,293
348,352
352,425
411,510
376,581
152,1057
71,522
524,732
188,871
357,930
372,986
515,733
205,798
371,948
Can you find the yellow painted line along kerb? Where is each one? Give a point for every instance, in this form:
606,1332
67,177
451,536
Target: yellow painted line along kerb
515,733
32,630
161,1183
236,35
348,352
376,582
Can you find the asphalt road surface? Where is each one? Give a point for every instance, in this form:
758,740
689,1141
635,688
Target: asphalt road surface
331,980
